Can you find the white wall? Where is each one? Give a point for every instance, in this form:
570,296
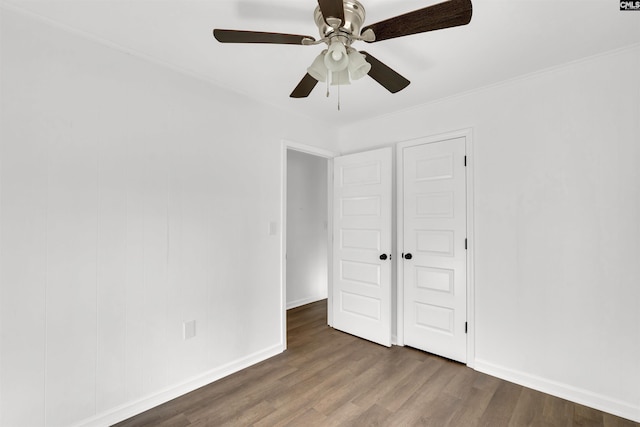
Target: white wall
306,228
132,199
557,209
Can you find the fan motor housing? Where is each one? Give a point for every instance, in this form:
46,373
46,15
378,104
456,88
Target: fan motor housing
354,15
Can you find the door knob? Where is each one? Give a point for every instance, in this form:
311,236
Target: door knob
408,256
383,257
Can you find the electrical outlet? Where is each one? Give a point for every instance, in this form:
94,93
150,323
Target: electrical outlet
189,329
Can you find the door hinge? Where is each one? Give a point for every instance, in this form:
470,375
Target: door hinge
465,327
465,244
465,160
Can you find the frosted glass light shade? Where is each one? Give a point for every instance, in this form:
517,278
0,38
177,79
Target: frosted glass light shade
318,70
358,66
336,58
340,78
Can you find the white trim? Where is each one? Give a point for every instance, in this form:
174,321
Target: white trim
467,134
399,247
394,339
128,410
320,152
329,155
303,301
471,295
330,242
564,391
283,246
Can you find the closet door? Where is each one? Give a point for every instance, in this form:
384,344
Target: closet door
362,245
434,247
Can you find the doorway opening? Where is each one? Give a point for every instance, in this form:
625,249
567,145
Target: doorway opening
306,239
307,228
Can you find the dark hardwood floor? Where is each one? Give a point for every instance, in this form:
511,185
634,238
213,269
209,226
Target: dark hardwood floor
328,378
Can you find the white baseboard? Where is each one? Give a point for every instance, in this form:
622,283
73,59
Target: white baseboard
130,409
564,391
304,301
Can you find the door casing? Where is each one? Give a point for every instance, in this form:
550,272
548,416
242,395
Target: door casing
467,134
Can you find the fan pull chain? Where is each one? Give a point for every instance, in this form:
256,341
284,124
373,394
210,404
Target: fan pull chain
338,96
327,86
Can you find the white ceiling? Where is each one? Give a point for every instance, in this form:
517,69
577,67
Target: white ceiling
505,39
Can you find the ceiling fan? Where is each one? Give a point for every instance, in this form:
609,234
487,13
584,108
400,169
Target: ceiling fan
340,24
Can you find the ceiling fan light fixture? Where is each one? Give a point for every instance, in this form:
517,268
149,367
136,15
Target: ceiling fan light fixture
340,23
358,66
318,70
336,58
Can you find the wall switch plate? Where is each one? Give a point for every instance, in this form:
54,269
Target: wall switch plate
189,329
273,228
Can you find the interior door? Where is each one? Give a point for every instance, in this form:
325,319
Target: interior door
434,243
362,245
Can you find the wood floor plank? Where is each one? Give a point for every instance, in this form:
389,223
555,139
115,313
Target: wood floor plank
473,407
310,418
252,414
442,409
178,420
528,410
346,390
329,378
500,408
558,411
236,406
613,421
584,416
390,376
407,386
282,417
375,415
342,413
462,383
419,406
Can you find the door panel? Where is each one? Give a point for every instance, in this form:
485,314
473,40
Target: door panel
362,232
434,203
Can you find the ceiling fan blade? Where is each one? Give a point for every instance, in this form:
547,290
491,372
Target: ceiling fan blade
451,13
239,36
384,75
305,87
332,9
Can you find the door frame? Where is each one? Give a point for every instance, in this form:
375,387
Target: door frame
329,155
468,135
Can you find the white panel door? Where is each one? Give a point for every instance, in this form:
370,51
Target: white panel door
434,240
362,245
